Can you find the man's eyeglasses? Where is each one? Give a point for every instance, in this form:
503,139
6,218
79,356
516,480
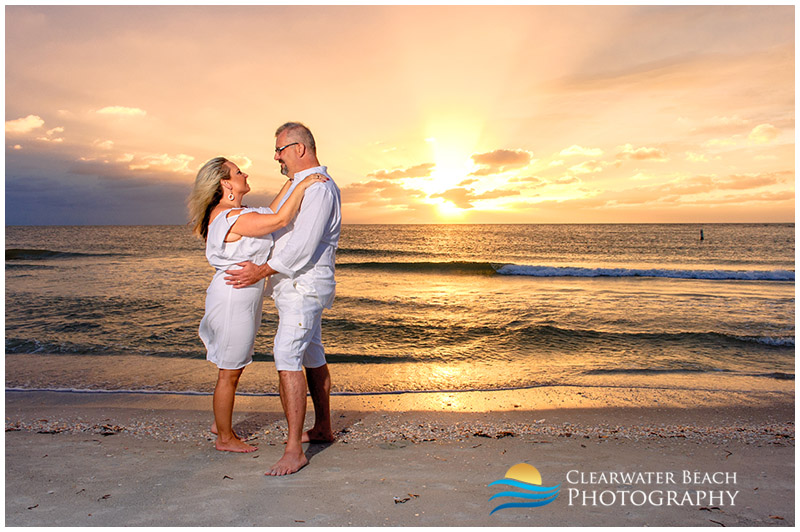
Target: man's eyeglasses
278,150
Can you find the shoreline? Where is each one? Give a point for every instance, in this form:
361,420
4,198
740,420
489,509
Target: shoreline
138,459
185,376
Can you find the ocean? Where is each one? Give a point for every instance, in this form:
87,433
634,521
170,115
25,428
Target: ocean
433,307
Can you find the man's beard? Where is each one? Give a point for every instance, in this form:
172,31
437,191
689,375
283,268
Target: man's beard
284,169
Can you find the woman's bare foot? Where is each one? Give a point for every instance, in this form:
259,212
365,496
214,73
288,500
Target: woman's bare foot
317,436
215,431
234,445
289,463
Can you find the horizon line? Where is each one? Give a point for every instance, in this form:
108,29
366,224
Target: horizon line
433,223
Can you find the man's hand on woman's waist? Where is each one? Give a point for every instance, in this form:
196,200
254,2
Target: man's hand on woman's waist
248,274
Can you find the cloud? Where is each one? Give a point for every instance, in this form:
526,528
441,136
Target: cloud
695,191
681,190
164,162
762,197
379,193
24,125
359,192
721,125
588,167
696,157
641,154
705,183
580,150
463,198
498,161
494,194
723,143
566,180
49,135
123,198
104,144
121,111
420,170
750,181
529,179
242,161
763,133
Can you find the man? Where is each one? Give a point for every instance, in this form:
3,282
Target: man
301,281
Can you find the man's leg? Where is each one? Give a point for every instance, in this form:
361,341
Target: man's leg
293,398
319,384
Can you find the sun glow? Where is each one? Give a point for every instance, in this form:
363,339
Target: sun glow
446,209
452,140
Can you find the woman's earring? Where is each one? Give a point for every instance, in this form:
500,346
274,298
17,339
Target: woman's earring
231,197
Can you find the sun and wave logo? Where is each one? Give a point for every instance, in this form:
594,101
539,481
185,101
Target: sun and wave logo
527,478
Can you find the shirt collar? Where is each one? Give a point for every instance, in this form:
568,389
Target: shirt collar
299,176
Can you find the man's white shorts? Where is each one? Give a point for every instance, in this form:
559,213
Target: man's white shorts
298,342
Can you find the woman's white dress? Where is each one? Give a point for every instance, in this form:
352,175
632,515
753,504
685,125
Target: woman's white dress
228,328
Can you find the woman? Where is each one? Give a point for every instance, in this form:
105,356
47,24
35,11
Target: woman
234,234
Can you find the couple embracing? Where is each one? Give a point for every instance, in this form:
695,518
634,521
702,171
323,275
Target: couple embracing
286,250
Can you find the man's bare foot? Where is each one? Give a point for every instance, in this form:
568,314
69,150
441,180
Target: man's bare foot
235,446
288,464
317,436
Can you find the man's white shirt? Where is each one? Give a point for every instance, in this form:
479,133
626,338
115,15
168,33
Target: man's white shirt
304,253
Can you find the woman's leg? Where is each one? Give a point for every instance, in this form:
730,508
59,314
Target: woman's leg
224,396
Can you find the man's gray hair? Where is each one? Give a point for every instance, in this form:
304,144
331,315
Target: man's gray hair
300,133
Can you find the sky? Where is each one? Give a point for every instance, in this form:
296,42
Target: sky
422,114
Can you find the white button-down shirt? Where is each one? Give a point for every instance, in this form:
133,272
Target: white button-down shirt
305,250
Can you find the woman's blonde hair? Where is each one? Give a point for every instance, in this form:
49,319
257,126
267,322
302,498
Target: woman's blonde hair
206,194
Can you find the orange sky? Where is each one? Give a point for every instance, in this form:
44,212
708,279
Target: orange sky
520,114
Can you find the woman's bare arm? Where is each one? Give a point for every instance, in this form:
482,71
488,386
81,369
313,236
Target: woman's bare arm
284,189
254,224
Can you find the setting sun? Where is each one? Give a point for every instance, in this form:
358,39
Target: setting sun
448,211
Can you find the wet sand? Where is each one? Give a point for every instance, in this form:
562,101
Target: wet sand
121,459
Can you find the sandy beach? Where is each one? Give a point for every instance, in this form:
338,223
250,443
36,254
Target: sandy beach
551,267
122,459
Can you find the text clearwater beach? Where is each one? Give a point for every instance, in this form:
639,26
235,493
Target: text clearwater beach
684,492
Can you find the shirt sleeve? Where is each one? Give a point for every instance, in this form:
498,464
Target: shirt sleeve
309,226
